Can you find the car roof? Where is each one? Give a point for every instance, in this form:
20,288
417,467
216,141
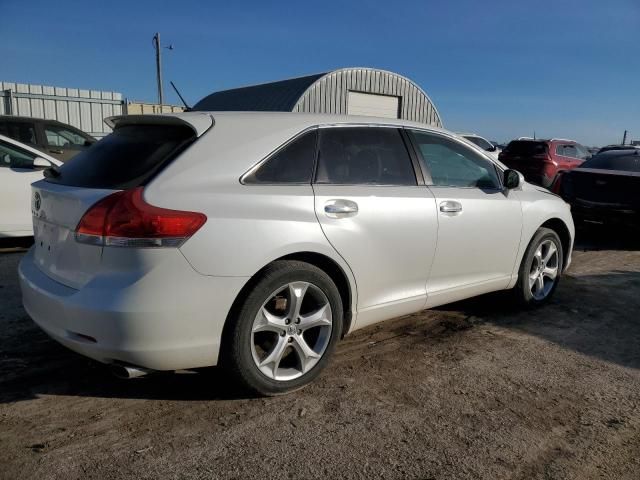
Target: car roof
238,140
619,152
17,118
280,119
29,149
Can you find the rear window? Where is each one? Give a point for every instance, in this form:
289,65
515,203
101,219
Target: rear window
480,142
526,148
628,163
127,158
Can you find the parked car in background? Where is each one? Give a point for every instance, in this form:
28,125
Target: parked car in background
540,161
20,166
257,240
618,147
54,138
605,189
483,143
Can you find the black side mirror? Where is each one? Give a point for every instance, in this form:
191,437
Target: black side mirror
511,179
492,149
88,143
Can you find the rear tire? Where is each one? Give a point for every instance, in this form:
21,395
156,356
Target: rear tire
283,333
540,269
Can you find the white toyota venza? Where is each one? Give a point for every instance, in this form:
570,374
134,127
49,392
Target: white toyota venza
256,241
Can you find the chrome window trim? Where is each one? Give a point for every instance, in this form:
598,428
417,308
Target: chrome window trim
425,129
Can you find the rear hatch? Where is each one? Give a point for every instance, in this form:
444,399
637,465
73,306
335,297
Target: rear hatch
604,188
526,156
138,149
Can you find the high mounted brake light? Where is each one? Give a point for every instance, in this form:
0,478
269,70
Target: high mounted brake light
124,219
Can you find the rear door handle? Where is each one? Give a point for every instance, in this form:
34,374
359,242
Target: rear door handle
340,208
56,150
450,206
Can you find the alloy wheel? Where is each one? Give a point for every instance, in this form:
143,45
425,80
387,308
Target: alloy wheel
291,331
543,273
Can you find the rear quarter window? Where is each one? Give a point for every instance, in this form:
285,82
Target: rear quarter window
291,164
129,157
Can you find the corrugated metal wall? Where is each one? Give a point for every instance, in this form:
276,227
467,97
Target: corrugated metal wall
141,108
84,109
329,94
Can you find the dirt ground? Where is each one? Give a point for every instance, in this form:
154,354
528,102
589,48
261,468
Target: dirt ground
477,389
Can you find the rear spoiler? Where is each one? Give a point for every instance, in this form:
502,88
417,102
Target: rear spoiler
196,121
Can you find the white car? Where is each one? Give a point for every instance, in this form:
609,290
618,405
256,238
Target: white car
257,240
482,143
20,166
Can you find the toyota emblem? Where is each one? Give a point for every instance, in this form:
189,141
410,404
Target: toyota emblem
37,201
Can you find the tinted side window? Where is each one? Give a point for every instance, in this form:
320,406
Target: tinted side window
22,131
363,156
12,157
453,164
291,164
62,137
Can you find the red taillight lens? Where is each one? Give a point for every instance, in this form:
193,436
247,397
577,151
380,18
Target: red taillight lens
125,219
557,184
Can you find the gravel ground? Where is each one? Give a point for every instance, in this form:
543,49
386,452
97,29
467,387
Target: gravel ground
478,389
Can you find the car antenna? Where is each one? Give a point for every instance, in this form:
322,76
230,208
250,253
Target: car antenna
186,106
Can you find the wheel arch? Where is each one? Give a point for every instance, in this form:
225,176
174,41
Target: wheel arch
561,228
319,260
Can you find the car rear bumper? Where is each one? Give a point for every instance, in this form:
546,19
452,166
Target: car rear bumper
166,318
606,216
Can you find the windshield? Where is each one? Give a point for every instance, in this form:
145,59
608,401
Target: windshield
479,141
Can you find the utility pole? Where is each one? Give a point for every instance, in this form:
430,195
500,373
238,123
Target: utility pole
624,138
156,45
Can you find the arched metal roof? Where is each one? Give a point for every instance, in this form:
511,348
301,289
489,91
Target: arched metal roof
326,93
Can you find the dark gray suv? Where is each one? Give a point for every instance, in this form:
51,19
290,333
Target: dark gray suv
54,138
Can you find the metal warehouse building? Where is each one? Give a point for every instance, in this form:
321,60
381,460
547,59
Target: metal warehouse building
349,91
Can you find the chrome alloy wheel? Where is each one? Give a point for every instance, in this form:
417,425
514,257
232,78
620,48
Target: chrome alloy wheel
291,331
544,269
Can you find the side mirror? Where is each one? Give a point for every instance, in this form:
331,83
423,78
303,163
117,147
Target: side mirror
492,149
88,143
512,179
40,163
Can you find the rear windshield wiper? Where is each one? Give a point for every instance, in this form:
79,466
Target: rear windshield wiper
52,172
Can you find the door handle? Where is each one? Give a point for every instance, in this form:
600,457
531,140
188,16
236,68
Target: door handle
56,150
340,208
450,206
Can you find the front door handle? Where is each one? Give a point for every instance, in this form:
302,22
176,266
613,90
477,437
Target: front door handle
450,206
56,150
340,208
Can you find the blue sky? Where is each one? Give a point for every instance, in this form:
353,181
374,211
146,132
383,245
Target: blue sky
563,68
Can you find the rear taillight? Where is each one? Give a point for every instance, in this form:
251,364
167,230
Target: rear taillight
124,219
557,184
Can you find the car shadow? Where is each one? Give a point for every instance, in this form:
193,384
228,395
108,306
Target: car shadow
595,315
592,314
65,373
599,237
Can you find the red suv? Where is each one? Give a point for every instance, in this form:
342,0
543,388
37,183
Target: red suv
540,161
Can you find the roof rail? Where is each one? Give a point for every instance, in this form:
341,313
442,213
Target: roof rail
562,140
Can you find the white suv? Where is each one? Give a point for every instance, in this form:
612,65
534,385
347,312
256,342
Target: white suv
257,240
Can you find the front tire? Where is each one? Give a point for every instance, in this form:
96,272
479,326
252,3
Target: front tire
540,269
286,328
